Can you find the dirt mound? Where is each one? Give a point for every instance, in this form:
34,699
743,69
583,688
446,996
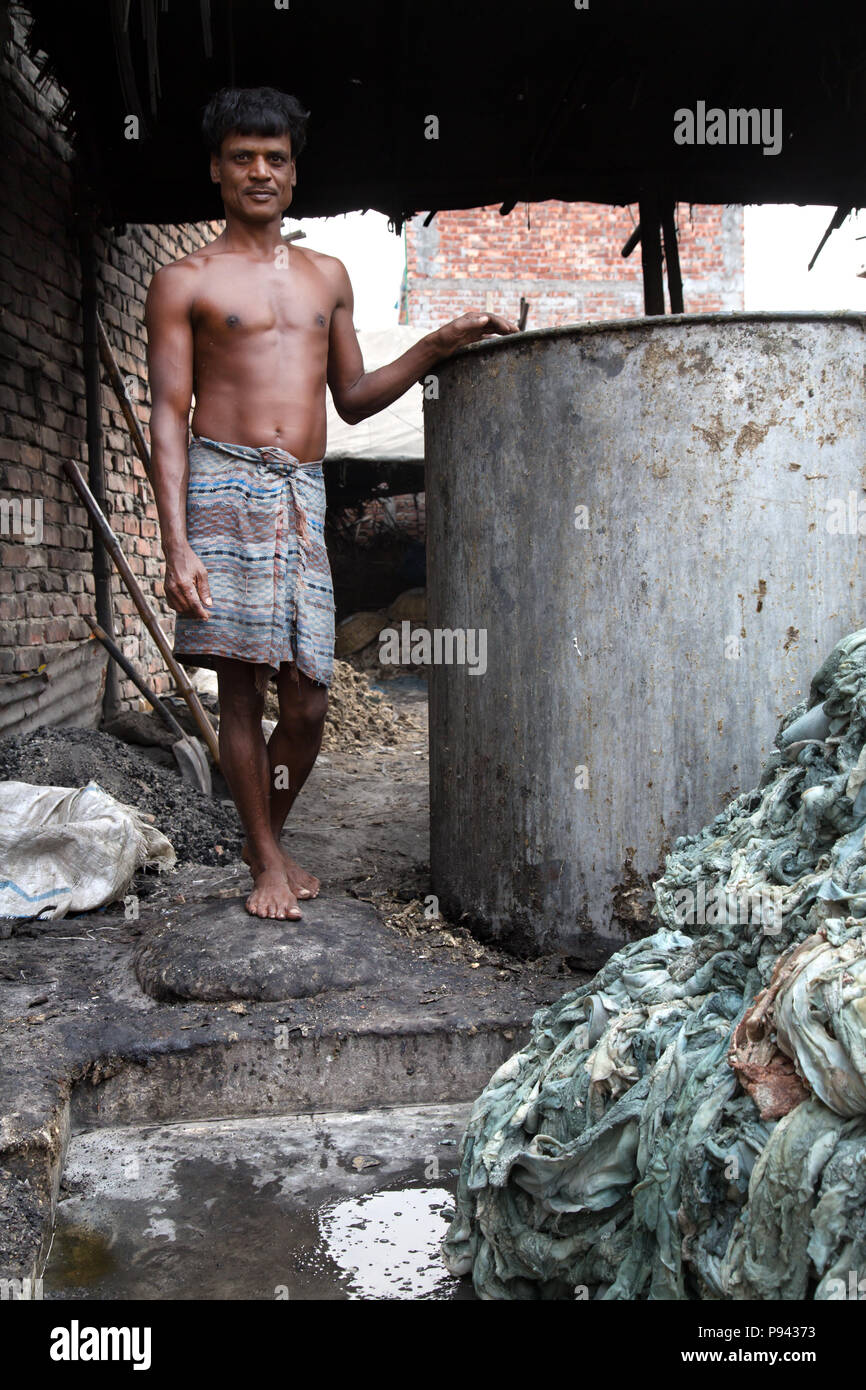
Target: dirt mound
201,829
358,716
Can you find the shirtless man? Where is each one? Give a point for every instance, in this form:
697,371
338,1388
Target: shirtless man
256,327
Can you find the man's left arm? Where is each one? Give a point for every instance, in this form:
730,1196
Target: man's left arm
358,394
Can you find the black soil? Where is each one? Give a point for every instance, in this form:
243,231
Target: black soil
201,829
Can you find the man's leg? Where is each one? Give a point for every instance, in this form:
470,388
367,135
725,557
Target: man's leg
292,750
244,763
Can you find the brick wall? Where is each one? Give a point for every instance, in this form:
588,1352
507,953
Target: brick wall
47,587
566,262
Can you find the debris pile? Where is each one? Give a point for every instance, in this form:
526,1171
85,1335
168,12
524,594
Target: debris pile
359,717
692,1122
202,829
358,640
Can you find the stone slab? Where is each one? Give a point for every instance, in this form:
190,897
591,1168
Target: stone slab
216,951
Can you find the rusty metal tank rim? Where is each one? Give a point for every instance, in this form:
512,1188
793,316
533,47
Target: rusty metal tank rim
663,321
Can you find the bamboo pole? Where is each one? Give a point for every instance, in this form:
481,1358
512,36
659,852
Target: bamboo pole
112,546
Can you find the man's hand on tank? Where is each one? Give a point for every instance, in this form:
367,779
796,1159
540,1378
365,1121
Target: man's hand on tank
186,585
470,328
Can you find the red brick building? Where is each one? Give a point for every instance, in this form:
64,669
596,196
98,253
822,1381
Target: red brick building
565,259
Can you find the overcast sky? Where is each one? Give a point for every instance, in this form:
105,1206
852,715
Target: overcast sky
780,242
373,256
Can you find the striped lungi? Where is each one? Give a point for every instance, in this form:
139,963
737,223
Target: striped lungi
255,518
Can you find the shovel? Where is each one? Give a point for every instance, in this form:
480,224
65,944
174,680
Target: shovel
189,753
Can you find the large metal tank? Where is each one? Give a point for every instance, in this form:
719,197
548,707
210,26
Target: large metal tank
655,522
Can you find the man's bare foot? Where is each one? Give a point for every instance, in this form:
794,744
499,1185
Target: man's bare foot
302,884
272,896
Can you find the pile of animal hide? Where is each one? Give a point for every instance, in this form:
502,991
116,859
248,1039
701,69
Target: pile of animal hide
692,1122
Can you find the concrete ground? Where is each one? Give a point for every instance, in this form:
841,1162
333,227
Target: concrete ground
193,1012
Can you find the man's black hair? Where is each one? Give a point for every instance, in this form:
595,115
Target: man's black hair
254,111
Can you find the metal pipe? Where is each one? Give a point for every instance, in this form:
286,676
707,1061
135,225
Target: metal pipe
672,259
651,256
631,243
95,453
126,665
112,545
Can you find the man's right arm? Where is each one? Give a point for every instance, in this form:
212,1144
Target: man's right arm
170,369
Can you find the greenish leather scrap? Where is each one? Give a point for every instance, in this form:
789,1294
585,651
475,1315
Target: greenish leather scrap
617,1155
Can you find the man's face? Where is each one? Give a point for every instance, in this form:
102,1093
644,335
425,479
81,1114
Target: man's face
256,175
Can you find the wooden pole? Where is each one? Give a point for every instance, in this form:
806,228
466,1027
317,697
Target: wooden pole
112,545
109,361
672,259
651,256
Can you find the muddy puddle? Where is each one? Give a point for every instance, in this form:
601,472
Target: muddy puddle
328,1206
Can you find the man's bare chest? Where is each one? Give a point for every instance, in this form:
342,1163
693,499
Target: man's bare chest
233,308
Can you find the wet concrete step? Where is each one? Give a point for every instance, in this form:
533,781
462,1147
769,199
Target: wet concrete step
321,1206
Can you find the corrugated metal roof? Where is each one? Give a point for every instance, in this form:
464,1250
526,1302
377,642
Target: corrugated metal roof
529,102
